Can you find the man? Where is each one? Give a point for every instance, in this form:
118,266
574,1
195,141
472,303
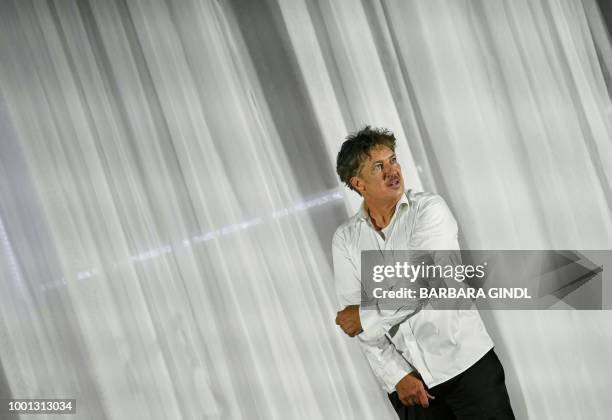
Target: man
435,364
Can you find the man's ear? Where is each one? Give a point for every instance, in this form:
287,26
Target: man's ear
358,184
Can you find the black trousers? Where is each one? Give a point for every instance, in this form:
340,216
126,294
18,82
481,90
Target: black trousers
479,393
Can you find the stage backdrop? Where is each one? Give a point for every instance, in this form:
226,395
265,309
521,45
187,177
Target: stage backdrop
168,193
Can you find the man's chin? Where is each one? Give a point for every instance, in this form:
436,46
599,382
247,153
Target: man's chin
394,192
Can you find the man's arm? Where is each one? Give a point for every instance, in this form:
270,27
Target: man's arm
386,362
389,366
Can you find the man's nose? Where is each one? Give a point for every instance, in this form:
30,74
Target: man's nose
389,170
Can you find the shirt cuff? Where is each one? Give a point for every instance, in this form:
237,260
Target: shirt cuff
394,372
373,323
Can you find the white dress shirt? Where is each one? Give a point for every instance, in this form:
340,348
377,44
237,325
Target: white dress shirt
439,344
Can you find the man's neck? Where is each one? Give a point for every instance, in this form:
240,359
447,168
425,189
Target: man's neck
381,212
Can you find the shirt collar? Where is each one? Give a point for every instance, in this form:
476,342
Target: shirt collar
400,204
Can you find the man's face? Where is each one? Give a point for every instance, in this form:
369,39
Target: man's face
380,176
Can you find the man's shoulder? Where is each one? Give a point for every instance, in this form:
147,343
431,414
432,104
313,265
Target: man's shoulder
347,229
424,198
427,203
433,213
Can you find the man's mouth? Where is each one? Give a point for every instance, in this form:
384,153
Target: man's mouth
394,182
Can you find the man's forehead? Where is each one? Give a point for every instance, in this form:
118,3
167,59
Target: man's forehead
379,152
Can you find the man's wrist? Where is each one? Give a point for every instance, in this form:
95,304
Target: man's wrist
400,376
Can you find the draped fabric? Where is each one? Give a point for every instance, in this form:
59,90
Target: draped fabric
168,196
157,259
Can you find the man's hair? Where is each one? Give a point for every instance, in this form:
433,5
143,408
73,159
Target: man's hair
356,149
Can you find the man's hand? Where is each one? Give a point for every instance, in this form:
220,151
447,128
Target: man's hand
348,320
411,391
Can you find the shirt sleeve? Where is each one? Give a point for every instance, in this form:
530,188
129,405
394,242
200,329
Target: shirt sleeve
435,227
388,365
347,281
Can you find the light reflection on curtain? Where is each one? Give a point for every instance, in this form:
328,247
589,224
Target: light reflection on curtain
167,193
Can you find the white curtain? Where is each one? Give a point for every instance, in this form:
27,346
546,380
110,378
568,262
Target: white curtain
157,258
167,193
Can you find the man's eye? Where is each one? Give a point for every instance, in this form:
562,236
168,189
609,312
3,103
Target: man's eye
393,160
378,167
